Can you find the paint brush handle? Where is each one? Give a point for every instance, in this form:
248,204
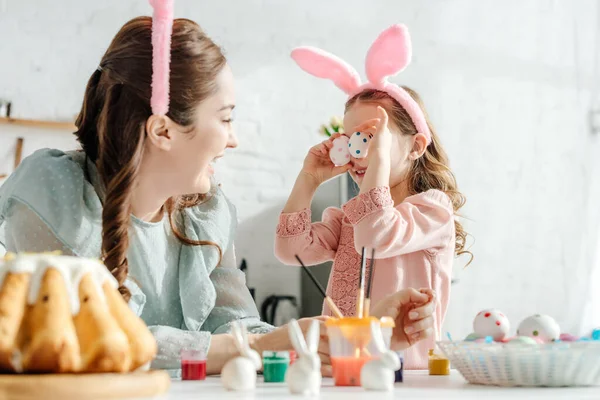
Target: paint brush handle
360,303
367,307
333,307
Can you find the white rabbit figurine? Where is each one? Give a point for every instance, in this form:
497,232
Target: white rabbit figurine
379,374
304,376
239,373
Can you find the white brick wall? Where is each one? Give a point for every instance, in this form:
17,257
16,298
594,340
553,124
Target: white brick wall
508,85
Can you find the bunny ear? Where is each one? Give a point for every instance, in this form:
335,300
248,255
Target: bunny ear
377,337
389,54
313,336
238,338
297,338
327,66
391,360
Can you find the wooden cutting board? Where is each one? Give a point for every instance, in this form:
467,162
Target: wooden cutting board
84,386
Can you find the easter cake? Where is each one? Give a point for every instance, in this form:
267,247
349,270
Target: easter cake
63,314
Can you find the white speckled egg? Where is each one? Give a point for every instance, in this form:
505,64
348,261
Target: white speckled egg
339,153
359,144
491,323
542,327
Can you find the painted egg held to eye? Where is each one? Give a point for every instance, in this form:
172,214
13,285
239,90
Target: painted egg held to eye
359,144
339,153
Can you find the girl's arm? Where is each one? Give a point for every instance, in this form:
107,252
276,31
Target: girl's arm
314,243
296,235
421,222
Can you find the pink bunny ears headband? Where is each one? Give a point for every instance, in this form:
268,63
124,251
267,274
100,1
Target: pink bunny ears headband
162,28
389,54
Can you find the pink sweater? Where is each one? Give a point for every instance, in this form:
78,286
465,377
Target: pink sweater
413,242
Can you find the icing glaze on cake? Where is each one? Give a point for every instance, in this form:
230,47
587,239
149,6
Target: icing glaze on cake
72,269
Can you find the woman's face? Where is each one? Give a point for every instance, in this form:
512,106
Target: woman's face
193,153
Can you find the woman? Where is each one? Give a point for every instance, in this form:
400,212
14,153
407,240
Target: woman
141,196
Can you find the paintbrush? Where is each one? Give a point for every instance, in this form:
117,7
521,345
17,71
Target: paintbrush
360,302
369,285
328,299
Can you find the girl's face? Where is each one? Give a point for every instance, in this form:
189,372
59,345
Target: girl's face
402,144
191,154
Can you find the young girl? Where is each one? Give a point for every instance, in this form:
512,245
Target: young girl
406,208
140,195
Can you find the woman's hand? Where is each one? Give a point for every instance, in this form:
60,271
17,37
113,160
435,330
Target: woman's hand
279,340
412,311
318,165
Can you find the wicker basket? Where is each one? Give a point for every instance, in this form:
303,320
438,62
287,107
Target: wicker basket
554,364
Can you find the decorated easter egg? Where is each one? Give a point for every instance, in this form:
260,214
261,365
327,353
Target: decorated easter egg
339,153
567,337
522,340
359,144
491,323
471,337
542,327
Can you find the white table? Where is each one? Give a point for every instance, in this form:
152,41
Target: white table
416,385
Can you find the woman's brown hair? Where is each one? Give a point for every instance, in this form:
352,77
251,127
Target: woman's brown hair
112,121
431,171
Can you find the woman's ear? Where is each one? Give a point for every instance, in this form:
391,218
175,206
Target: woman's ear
419,146
157,130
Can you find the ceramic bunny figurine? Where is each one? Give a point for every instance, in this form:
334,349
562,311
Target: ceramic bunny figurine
239,374
379,374
304,376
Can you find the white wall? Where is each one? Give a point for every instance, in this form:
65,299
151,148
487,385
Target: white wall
508,85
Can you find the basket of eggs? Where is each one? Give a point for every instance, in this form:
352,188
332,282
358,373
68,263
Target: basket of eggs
539,355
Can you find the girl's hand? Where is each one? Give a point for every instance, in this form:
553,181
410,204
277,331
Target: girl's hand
381,143
412,311
318,165
381,137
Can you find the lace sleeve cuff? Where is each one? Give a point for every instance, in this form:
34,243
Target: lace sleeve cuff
294,224
368,203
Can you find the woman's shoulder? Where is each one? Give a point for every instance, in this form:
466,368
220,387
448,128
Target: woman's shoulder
55,176
50,165
52,184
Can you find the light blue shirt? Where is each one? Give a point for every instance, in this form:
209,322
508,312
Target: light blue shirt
50,203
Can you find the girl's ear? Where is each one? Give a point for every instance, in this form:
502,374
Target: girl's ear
157,131
419,146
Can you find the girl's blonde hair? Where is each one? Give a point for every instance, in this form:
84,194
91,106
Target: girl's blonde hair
431,171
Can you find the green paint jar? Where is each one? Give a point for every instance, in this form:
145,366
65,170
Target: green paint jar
275,365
